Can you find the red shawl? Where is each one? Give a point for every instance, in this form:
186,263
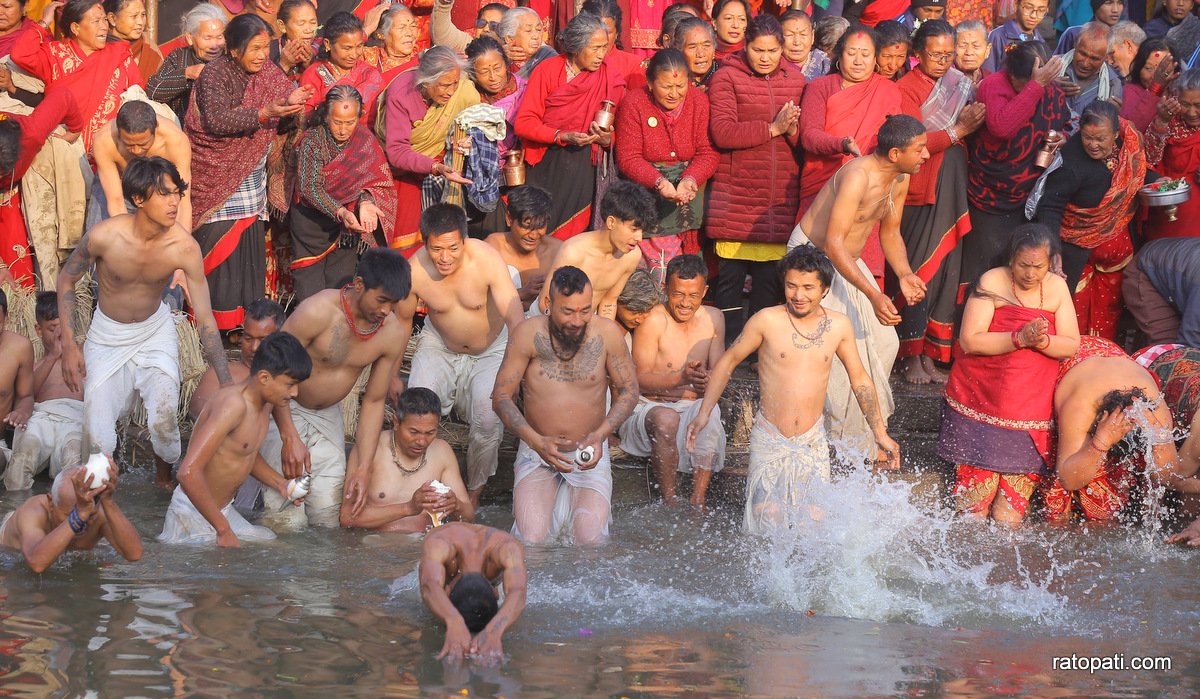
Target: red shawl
364,77
856,111
880,10
1180,158
1090,228
572,106
362,167
7,40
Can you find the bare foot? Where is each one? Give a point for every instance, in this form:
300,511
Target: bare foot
914,371
935,375
697,501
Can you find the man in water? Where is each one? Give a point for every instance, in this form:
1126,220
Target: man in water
53,435
473,309
72,516
223,449
263,317
138,132
674,350
868,190
565,364
609,255
344,331
16,378
461,564
525,247
796,344
131,344
409,458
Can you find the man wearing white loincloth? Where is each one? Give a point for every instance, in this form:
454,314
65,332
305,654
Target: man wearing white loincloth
16,379
867,190
344,331
564,364
54,434
131,345
473,306
674,350
224,449
788,444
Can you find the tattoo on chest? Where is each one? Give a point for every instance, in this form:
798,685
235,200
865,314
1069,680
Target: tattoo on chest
579,368
339,344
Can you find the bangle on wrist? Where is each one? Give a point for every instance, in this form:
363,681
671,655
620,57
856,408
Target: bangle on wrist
1156,88
1016,339
1045,344
77,523
1097,447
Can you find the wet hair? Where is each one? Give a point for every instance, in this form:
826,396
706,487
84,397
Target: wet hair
1101,113
664,60
628,201
389,18
3,301
475,599
338,93
385,269
511,21
807,258
578,32
287,7
265,309
1146,48
137,116
436,63
930,29
686,267
892,32
242,29
45,306
835,58
685,26
764,25
282,354
568,281
1116,401
10,148
1030,236
443,218
530,206
720,5
898,131
337,26
481,47
641,292
201,13
73,12
605,9
828,31
417,401
672,16
1023,57
144,176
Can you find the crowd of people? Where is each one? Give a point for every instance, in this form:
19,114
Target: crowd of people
595,212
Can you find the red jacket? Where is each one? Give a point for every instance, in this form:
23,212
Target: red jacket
645,138
756,190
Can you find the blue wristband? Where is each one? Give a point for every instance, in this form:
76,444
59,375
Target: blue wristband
76,522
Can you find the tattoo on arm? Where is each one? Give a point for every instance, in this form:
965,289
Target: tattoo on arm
72,271
868,403
624,379
214,353
511,415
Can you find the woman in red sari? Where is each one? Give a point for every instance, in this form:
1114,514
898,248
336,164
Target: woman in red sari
996,420
127,22
340,63
627,63
95,70
1173,150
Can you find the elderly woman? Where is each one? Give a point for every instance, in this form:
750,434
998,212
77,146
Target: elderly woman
555,121
894,45
694,38
127,22
1023,106
203,28
626,63
340,63
971,49
520,33
754,124
489,69
1018,324
798,45
1173,149
95,70
663,145
418,112
236,107
730,19
397,51
1147,82
297,26
345,195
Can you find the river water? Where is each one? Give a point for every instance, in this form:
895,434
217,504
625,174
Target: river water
885,595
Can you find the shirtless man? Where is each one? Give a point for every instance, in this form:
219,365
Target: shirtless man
473,309
867,190
263,317
224,449
131,344
53,436
565,364
525,247
16,378
138,132
796,344
409,458
609,255
673,350
344,331
460,564
72,516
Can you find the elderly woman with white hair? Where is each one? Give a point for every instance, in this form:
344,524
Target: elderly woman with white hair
520,33
203,28
397,51
418,112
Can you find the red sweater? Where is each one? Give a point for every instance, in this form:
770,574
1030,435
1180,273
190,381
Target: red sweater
915,87
644,137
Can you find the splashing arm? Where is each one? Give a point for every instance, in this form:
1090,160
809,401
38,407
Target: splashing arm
745,344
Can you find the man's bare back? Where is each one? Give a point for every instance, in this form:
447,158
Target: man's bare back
471,304
533,267
606,268
472,548
862,187
664,346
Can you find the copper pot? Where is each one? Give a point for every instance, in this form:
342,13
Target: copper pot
514,168
605,115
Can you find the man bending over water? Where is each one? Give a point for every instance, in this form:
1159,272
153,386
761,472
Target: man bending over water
461,564
796,344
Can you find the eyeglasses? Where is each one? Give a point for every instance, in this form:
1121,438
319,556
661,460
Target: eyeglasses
941,57
491,26
1033,11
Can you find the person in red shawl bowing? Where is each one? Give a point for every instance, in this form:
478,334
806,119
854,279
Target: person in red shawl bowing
556,123
21,137
1090,196
340,63
996,420
346,197
237,104
95,70
127,23
1173,150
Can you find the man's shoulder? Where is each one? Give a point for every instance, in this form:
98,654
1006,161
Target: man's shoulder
15,342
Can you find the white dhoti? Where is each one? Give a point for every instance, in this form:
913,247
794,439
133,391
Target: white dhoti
324,435
185,525
710,443
464,384
53,437
545,501
781,472
877,344
123,358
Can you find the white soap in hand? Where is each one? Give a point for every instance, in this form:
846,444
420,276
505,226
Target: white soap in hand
440,487
97,471
439,518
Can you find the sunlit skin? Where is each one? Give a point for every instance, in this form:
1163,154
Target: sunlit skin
1029,268
301,24
490,19
91,32
629,319
130,22
937,56
763,54
592,55
521,46
803,292
491,73
1099,140
209,40
669,88
699,50
343,117
345,51
891,60
446,251
857,60
1110,12
797,40
971,49
1189,107
684,296
162,205
401,39
1176,10
1030,13
441,90
1146,76
623,235
610,26
912,157
256,54
136,144
730,25
524,238
1089,57
11,14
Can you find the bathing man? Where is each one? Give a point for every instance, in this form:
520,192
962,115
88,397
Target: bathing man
131,344
138,132
867,190
473,309
16,378
796,344
525,247
564,364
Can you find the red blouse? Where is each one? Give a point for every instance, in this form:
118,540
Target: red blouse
645,137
